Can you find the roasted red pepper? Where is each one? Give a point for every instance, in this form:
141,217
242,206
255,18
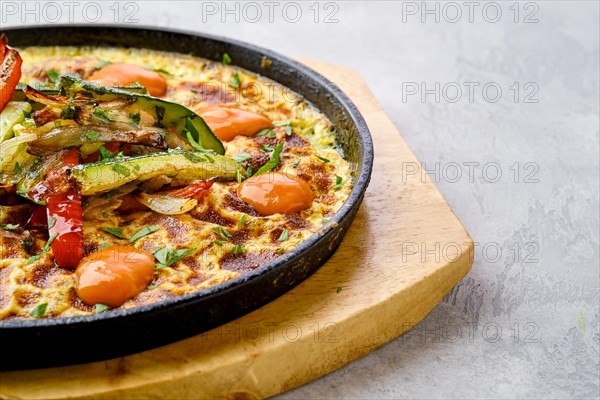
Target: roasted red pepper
65,218
10,71
196,190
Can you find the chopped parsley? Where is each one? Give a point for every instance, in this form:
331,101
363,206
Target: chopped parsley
222,232
238,249
163,71
52,75
67,113
338,183
168,257
39,310
263,132
273,161
92,135
17,168
226,59
280,250
120,169
287,125
118,232
143,232
45,250
10,227
218,243
325,160
135,118
242,157
235,81
99,307
105,153
266,148
101,113
284,236
238,176
242,220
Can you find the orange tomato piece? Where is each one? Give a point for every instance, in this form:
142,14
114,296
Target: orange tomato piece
229,122
121,74
276,192
114,275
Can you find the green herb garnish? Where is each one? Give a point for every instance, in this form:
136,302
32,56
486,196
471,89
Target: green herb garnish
67,112
338,182
105,153
218,243
235,80
99,307
226,59
39,310
273,161
51,222
242,157
242,220
143,232
10,227
238,249
118,232
101,113
135,118
52,75
17,168
168,257
120,169
287,126
225,235
92,135
325,160
284,236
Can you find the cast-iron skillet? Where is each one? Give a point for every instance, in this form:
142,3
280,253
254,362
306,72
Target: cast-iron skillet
60,341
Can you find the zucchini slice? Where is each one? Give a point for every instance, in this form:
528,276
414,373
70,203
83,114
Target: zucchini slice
167,114
182,166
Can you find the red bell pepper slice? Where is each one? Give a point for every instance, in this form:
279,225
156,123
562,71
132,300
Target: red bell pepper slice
10,71
65,220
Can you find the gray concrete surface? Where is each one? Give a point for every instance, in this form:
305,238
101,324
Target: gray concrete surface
525,322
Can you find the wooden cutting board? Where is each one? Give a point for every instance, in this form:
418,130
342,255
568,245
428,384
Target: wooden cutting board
403,253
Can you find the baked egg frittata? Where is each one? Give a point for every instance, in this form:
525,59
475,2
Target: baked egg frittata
130,176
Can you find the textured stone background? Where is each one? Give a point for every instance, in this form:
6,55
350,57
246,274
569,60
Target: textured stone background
525,322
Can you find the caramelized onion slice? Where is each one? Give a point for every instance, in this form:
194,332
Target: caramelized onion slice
65,137
164,204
